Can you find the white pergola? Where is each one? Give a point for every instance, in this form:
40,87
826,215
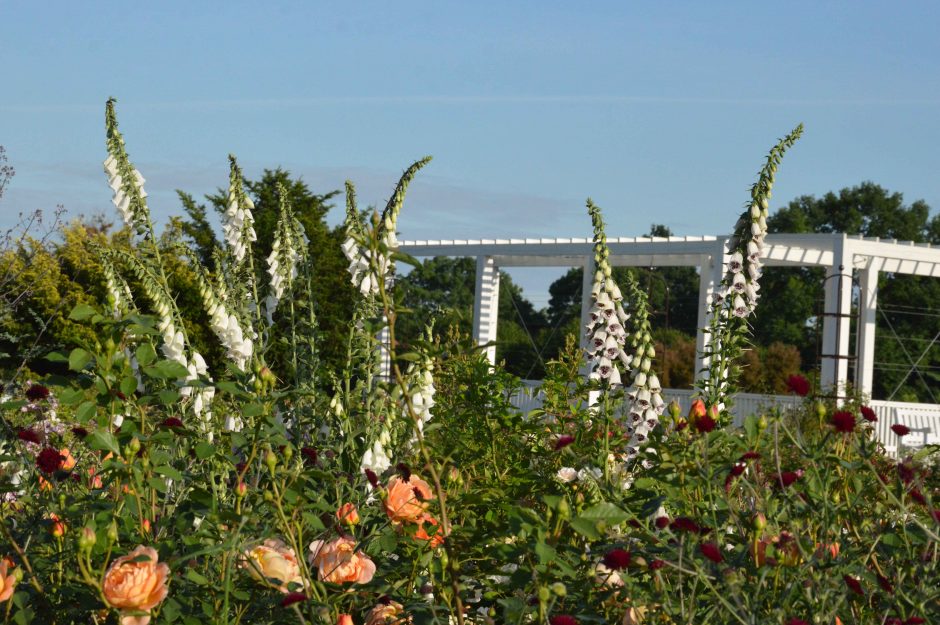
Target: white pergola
838,253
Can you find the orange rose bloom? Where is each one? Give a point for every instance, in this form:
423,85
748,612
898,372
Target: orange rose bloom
68,461
339,562
348,513
437,539
344,619
58,527
7,582
391,614
407,501
136,586
274,560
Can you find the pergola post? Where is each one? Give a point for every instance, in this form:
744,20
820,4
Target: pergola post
837,312
486,305
711,271
868,308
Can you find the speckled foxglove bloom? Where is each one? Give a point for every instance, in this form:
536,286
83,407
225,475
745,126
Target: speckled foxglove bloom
237,220
226,325
738,293
645,392
287,251
605,333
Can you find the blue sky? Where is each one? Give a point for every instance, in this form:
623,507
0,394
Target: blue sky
661,111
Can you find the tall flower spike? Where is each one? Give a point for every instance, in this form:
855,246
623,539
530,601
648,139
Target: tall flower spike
237,220
737,296
645,392
606,336
368,268
224,323
126,181
286,253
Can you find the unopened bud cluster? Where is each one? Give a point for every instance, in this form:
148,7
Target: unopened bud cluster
645,392
237,221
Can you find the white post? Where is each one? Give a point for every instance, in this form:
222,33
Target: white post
711,271
868,306
486,305
836,321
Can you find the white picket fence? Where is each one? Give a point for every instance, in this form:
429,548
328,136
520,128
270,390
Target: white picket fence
922,419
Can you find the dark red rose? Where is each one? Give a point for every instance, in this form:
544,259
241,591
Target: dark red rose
372,477
685,524
787,478
885,584
292,597
37,392
797,621
28,435
798,384
843,421
172,422
893,621
309,455
661,522
712,552
49,460
563,441
385,600
906,471
705,423
681,426
563,619
79,431
900,430
655,565
617,559
853,584
918,497
404,471
868,414
418,494
749,455
915,620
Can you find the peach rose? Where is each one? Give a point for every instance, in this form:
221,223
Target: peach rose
136,586
68,461
348,513
7,582
344,619
339,562
407,501
434,540
387,614
57,527
274,560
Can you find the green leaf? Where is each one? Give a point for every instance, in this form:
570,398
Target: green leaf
129,385
82,312
169,396
545,553
157,484
204,450
585,527
252,409
71,396
78,359
169,472
167,369
102,440
607,512
56,357
86,412
196,578
145,354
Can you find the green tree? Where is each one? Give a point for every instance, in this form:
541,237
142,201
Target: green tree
909,315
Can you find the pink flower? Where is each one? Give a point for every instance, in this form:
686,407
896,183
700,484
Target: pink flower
563,441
